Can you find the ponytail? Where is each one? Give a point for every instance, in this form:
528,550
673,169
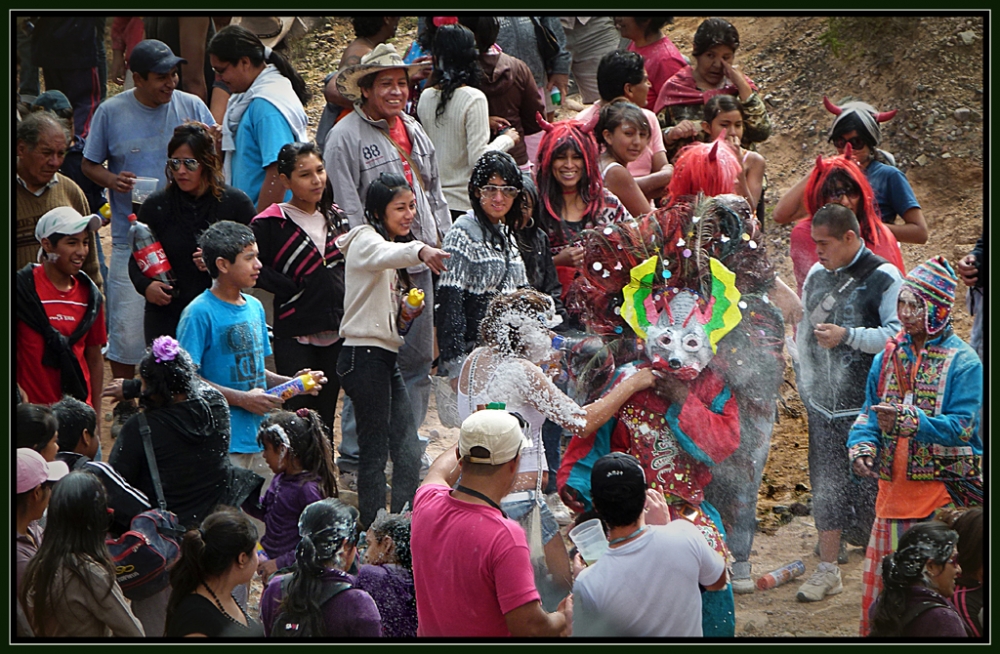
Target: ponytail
233,42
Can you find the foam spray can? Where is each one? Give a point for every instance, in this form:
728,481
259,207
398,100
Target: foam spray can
785,573
411,303
296,386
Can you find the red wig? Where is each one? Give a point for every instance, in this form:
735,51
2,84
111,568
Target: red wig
844,167
556,140
708,168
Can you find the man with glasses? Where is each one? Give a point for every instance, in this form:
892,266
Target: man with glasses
130,132
378,136
857,125
849,302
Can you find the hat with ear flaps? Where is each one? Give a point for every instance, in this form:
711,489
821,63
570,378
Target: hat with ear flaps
934,282
868,117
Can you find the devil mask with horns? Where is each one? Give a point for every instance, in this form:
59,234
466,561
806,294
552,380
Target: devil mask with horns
857,116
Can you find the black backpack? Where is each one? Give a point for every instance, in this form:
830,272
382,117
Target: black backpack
284,627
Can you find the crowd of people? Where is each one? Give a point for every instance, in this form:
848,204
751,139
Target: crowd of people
591,299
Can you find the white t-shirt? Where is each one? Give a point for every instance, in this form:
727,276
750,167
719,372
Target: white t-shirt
647,587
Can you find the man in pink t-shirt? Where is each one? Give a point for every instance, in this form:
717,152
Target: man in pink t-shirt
471,564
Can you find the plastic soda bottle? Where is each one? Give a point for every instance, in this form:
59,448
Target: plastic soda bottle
411,303
783,574
149,254
555,95
297,386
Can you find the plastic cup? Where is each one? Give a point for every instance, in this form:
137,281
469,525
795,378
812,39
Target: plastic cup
590,540
143,188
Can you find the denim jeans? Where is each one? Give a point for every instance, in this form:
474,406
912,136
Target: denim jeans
370,377
415,358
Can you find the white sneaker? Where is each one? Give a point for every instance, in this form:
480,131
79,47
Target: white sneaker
560,511
825,581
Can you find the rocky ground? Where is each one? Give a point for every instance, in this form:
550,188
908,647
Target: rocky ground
931,70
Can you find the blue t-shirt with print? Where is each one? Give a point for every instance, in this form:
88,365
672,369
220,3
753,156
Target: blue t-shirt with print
131,136
259,137
228,342
892,190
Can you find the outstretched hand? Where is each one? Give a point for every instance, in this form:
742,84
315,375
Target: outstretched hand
434,258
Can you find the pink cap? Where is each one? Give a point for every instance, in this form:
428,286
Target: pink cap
33,470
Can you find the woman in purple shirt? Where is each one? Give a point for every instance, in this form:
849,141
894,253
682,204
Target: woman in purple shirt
318,599
388,574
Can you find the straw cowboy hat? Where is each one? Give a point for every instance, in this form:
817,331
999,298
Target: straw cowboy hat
383,57
271,30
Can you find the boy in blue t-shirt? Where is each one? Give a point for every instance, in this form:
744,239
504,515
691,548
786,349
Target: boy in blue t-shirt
225,333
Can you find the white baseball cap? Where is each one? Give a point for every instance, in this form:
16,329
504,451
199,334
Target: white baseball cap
65,220
494,430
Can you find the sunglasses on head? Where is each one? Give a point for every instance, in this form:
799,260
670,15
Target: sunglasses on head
491,189
856,142
190,164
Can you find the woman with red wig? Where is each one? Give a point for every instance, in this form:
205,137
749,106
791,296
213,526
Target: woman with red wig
572,194
835,180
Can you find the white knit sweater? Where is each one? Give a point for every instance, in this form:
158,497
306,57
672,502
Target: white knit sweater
460,137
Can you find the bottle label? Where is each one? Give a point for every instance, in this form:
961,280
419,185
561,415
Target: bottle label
152,260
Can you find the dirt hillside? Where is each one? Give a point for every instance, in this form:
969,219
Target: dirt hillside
931,70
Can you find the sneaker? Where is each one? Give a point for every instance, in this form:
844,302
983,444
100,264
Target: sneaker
560,511
825,581
121,414
841,553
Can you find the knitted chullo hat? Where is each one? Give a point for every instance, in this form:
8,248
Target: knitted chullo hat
934,282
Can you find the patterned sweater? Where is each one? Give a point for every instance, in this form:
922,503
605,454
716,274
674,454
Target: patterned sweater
477,271
937,428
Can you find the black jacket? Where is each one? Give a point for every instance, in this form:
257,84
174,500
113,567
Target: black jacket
191,445
126,500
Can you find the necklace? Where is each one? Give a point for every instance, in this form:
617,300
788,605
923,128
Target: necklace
629,537
477,494
223,609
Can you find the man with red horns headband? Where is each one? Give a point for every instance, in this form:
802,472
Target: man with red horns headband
857,126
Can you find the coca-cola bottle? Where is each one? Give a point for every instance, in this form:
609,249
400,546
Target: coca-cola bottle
149,254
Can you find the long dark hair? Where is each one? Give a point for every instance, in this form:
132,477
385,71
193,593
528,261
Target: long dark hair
209,551
195,136
499,163
233,42
923,542
327,527
304,435
74,541
380,193
567,135
455,63
288,155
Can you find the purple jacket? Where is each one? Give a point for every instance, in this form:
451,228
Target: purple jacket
391,586
280,509
351,613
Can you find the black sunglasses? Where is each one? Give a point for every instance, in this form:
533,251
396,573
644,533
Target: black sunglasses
856,142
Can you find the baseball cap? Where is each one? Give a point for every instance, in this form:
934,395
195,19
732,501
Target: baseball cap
152,56
65,220
615,476
33,470
494,430
54,101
